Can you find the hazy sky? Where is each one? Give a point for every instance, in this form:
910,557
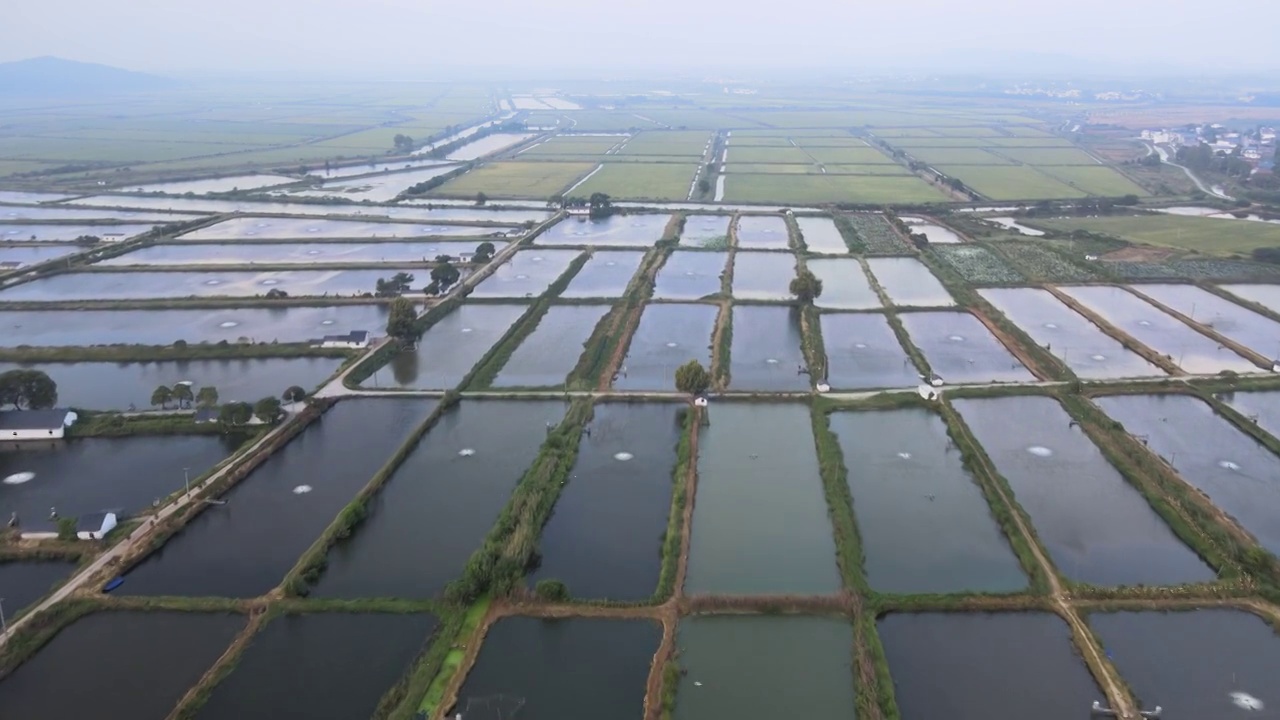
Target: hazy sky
419,38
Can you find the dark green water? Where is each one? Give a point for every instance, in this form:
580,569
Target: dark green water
449,349
667,337
979,666
1192,663
760,520
118,666
604,539
245,548
440,503
319,666
22,583
863,352
550,353
557,669
1097,528
765,667
765,353
924,524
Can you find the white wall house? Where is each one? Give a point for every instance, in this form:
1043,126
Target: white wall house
18,425
95,526
354,340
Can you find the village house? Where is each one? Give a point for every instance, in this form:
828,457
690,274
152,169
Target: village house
354,340
17,425
95,526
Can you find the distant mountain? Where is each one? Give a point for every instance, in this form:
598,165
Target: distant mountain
55,76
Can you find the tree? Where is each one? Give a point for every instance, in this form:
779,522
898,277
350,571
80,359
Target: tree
444,274
88,240
552,590
397,284
207,397
484,252
182,395
27,390
161,396
481,198
267,409
276,294
67,528
235,413
600,204
402,143
806,286
400,321
704,186
692,378
294,394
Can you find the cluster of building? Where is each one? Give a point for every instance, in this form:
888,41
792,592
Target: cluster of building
1257,146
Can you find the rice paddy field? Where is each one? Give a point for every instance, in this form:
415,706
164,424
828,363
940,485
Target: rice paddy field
512,511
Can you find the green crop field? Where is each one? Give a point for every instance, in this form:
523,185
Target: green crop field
689,143
850,155
1049,156
982,131
911,132
516,179
1011,182
811,169
816,189
568,145
1095,179
641,181
829,141
955,156
1206,235
789,155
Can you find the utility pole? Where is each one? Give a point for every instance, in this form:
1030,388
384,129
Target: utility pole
186,480
4,627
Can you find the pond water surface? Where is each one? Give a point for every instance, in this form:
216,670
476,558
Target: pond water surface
863,352
32,254
448,351
908,282
339,666
1265,295
604,538
605,275
526,274
690,275
1262,407
765,667
118,666
961,349
763,275
295,253
1238,473
698,229
640,230
1233,321
821,235
763,232
67,233
924,524
760,522
551,352
556,668
309,228
765,351
1097,528
151,285
459,477
245,547
25,582
667,337
844,284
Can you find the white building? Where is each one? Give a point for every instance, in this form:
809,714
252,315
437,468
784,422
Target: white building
95,526
34,424
354,340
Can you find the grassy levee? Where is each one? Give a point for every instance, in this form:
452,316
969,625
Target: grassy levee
722,348
1130,343
429,680
93,423
960,602
311,565
483,374
607,346
850,234
158,353
1247,425
1038,360
812,344
598,349
795,238
675,227
1000,498
674,532
1250,304
670,685
874,686
498,566
1208,531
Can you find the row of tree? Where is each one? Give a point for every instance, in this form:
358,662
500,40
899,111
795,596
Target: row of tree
207,397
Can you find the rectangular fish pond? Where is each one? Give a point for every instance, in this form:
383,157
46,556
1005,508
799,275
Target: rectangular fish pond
961,349
690,275
552,351
296,253
152,285
449,349
638,230
527,274
667,337
763,232
863,352
606,275
844,284
908,282
760,275
765,351
821,235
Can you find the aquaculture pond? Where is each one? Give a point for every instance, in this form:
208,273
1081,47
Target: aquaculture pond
1239,474
963,665
460,475
667,337
763,275
124,386
821,235
1254,331
690,275
760,524
28,255
765,350
375,188
151,285
60,328
450,348
338,667
924,524
908,283
244,548
1068,335
640,230
701,229
961,349
211,185
605,275
526,274
118,666
763,232
863,352
79,476
1097,528
67,233
1262,407
547,356
333,253
1193,352
844,284
61,213
278,228
1266,295
604,539
24,582
1211,663
937,234
551,669
762,666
